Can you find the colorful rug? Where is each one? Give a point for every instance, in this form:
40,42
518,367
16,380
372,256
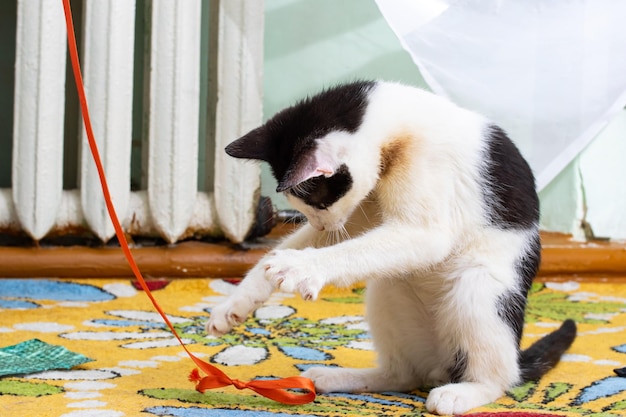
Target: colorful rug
128,364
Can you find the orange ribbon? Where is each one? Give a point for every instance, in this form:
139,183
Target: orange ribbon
277,390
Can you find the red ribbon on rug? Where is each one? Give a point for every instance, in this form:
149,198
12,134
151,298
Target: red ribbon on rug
277,390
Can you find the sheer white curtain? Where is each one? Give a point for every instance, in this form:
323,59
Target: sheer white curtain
552,72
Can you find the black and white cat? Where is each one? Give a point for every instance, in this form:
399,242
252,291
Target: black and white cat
430,204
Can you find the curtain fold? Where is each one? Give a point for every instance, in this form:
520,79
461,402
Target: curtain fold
551,73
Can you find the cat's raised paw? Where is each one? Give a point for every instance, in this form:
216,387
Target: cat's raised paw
228,314
292,271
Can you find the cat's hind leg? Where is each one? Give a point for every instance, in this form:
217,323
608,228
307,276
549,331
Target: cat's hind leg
485,359
399,327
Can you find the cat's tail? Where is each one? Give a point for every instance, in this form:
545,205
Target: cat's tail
545,353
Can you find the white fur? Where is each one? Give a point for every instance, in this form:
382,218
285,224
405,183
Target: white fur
434,269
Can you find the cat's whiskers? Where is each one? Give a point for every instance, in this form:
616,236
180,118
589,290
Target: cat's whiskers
364,213
294,219
329,238
332,237
303,189
343,233
338,236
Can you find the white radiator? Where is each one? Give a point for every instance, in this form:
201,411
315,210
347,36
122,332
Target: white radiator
171,206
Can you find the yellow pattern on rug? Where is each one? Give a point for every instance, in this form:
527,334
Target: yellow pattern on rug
139,369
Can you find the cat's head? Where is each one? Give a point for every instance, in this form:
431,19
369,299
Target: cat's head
315,155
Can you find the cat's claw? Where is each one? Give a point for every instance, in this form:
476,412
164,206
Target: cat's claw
228,314
290,271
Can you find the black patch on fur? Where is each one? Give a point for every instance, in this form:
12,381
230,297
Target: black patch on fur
321,192
457,370
512,305
509,192
288,137
544,354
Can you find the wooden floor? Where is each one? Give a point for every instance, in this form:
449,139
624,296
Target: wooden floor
562,258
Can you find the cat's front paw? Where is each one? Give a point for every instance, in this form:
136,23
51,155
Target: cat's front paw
228,314
293,271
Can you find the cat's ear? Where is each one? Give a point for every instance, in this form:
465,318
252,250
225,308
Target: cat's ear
253,145
310,165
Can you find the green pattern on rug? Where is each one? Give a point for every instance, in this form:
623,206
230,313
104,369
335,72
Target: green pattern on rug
27,389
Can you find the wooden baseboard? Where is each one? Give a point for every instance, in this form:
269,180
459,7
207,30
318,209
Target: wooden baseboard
592,260
188,259
562,258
